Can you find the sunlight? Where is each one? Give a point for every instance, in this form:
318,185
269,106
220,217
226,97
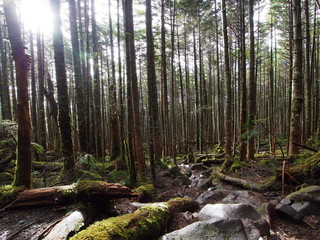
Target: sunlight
36,14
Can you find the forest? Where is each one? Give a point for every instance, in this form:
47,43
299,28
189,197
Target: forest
107,104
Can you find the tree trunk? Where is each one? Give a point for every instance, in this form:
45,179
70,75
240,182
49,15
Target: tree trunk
114,122
132,81
252,84
63,97
22,61
78,77
228,122
297,82
154,134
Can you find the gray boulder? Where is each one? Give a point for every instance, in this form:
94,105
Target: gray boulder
202,184
218,229
306,208
212,196
286,211
241,210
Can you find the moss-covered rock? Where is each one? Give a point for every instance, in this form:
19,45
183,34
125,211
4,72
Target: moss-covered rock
147,192
145,223
307,167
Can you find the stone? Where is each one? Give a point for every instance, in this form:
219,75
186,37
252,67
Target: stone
286,211
219,210
218,229
181,180
205,174
202,184
308,194
286,201
211,196
306,208
186,171
197,166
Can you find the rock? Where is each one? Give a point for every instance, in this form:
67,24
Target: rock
181,180
286,201
205,174
218,229
254,225
241,210
306,208
286,211
242,196
308,194
202,184
211,196
186,171
197,166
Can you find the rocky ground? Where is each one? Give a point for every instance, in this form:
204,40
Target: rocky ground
185,181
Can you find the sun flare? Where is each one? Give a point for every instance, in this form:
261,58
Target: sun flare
36,14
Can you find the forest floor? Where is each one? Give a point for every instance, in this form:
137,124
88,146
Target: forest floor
32,223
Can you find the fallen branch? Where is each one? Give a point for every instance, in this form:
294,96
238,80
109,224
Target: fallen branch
244,183
147,222
305,147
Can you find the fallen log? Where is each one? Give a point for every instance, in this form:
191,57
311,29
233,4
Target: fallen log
244,183
147,222
85,191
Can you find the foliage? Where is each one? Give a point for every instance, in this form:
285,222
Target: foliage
119,176
147,191
37,148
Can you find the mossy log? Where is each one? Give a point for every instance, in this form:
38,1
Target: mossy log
87,191
309,168
148,222
246,184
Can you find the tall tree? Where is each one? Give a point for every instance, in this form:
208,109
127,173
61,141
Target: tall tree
228,122
78,77
243,88
96,83
62,87
41,74
154,134
22,62
114,121
297,98
4,80
252,84
133,84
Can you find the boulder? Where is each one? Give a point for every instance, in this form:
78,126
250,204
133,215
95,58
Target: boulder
202,184
286,211
309,194
211,196
205,174
306,208
181,180
218,229
220,210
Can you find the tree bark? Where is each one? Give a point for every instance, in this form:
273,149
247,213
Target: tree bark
22,62
297,100
63,96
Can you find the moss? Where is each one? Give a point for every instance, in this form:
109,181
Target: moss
90,175
236,164
145,223
37,165
147,191
271,183
8,194
129,226
6,177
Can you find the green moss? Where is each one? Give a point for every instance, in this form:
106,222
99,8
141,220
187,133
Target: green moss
147,191
145,223
88,175
271,183
309,167
236,164
129,226
47,165
8,193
